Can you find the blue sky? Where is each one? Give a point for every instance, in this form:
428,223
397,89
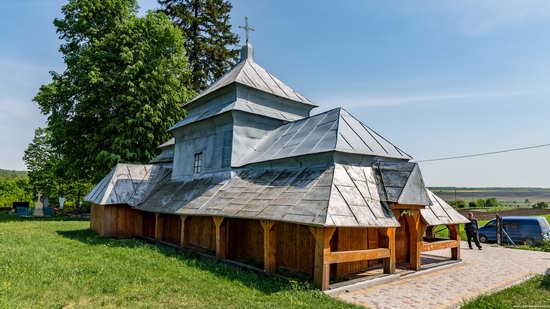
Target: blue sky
437,78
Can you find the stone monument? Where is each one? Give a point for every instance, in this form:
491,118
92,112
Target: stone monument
38,206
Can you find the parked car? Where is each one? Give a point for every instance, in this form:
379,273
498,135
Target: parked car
521,229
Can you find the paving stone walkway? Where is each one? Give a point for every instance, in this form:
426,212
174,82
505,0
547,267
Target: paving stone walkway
485,271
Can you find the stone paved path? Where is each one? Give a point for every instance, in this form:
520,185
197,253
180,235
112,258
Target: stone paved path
480,272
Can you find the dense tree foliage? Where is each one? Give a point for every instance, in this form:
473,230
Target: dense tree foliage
122,88
46,174
208,37
541,205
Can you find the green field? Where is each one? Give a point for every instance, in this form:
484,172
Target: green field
509,197
54,264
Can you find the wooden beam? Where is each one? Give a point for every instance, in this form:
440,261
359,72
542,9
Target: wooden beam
356,255
321,271
416,239
221,237
454,234
159,226
389,263
430,232
270,246
407,207
442,244
183,239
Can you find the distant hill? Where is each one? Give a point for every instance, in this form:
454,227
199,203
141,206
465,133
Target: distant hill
10,175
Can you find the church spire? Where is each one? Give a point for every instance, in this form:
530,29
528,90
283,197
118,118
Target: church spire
247,51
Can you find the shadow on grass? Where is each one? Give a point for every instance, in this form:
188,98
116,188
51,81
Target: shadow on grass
251,279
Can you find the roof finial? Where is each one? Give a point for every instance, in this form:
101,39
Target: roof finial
246,28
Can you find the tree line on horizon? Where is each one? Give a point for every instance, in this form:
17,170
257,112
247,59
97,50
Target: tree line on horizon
124,85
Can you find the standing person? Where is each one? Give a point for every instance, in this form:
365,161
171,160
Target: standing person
471,231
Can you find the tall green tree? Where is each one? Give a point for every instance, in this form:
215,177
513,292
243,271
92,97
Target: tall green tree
42,162
124,83
208,37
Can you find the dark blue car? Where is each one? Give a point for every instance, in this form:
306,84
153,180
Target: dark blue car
522,230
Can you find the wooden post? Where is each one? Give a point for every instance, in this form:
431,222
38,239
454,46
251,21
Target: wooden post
159,227
416,239
430,232
183,240
321,271
389,263
270,246
454,234
221,238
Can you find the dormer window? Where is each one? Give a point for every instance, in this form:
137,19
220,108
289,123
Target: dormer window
197,166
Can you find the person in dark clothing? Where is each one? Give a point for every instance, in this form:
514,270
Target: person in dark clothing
471,231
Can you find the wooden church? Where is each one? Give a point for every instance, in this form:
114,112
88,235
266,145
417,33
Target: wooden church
252,176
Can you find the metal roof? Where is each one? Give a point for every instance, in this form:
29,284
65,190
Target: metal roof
333,195
249,73
334,130
239,105
324,196
402,183
128,184
440,212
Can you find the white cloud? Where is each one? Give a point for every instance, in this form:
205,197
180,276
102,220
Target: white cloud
359,100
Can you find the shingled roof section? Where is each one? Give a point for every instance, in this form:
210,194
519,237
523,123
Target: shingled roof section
334,130
128,184
402,183
440,212
323,196
249,73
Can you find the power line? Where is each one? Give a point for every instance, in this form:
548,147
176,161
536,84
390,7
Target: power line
484,153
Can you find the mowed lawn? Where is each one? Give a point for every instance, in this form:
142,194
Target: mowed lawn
534,293
51,263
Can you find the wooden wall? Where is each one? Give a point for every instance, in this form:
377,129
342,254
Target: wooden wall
119,221
295,247
246,240
172,228
200,232
348,239
148,224
96,218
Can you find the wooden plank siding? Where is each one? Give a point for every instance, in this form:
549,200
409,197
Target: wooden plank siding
245,239
350,239
295,247
118,221
172,229
200,233
148,226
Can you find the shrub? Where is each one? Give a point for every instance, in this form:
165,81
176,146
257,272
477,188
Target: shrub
472,204
541,205
458,204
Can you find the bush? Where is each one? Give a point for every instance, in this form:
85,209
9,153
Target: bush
458,204
491,202
541,205
472,204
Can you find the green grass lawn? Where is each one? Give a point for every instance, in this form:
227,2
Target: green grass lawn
534,293
53,263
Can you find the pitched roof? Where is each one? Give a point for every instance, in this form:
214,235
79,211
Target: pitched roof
249,73
402,183
324,196
440,212
127,184
334,130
